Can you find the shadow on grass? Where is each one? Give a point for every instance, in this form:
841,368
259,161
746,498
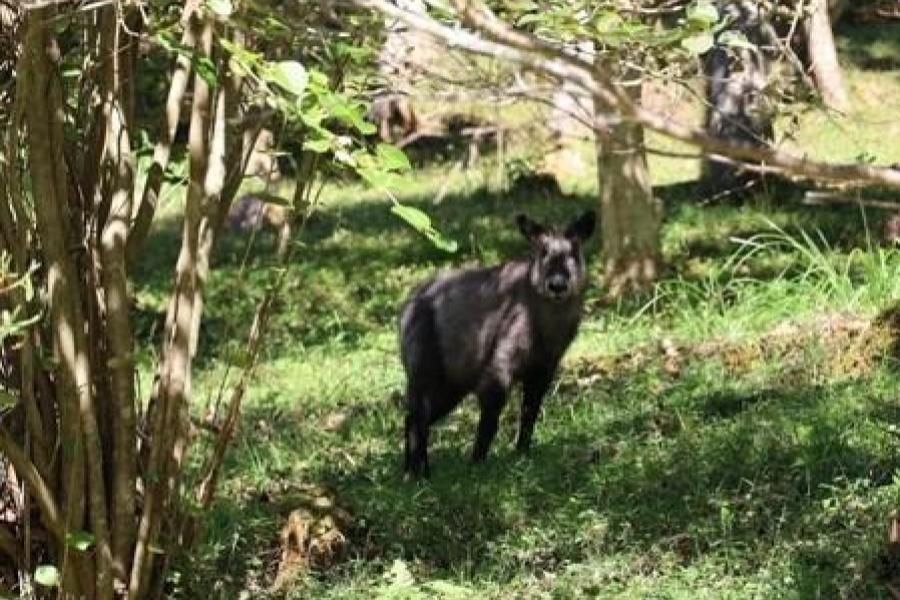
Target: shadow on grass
874,47
749,478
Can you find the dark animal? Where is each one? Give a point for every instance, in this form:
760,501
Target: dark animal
483,330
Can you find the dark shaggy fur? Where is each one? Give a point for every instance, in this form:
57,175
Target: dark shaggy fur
483,330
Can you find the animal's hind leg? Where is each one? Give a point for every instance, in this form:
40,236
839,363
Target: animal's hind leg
416,448
416,463
491,397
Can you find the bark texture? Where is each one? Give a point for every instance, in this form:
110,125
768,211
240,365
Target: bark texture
737,110
629,214
823,56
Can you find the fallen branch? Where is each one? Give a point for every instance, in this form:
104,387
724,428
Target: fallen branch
827,198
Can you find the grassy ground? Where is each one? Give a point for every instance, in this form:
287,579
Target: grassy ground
763,463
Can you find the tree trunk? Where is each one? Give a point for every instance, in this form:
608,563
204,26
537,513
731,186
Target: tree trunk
400,64
174,375
837,9
119,194
569,123
81,448
629,214
823,56
737,110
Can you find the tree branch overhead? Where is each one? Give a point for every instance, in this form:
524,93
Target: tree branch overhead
498,40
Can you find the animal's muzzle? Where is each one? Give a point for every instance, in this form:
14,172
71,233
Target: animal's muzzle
557,285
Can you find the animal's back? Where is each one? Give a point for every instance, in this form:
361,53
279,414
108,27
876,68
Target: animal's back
458,315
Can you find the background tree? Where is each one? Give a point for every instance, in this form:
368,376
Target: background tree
823,54
739,109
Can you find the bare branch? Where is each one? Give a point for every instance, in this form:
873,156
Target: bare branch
37,486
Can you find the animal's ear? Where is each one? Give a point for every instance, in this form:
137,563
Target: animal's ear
532,230
583,227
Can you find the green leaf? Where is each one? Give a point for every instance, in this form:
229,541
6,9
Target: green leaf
7,400
415,217
205,69
365,127
529,18
608,22
313,117
376,178
523,5
317,146
222,8
239,54
392,158
702,14
47,575
80,540
446,244
422,223
735,39
289,75
698,43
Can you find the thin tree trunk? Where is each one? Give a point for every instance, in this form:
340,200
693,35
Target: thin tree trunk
177,88
629,214
284,255
174,386
823,56
119,340
213,186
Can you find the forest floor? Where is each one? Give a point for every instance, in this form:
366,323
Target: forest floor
733,434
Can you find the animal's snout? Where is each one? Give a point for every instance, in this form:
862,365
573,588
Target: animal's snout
557,285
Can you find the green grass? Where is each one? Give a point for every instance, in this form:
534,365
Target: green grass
757,474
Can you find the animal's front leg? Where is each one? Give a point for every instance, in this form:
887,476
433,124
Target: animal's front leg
535,388
491,397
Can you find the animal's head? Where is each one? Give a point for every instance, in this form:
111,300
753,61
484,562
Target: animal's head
557,265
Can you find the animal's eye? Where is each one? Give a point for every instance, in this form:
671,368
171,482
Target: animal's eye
544,252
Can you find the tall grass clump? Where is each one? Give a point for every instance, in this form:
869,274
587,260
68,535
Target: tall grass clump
772,276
